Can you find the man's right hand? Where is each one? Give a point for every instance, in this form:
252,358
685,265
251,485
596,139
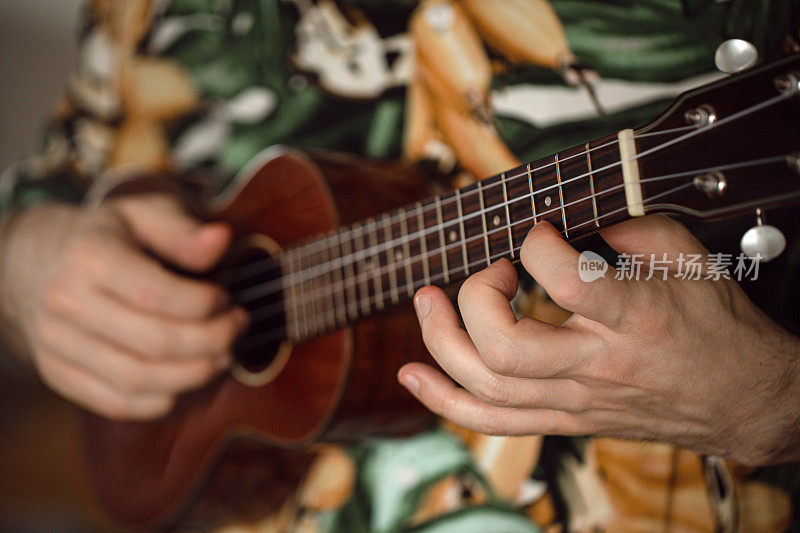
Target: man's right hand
104,321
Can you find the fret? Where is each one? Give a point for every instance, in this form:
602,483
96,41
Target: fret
326,281
577,189
298,285
442,243
415,258
561,197
508,214
473,229
290,298
338,279
451,231
350,277
361,267
306,263
496,217
530,186
483,220
591,184
545,195
519,204
317,292
374,263
407,255
390,261
422,230
463,235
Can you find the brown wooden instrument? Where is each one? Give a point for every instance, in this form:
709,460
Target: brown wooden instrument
328,288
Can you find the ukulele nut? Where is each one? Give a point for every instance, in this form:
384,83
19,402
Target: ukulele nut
701,116
793,161
713,184
790,83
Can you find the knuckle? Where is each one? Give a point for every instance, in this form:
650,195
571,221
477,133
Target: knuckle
133,380
147,296
568,291
492,390
207,299
161,343
57,298
491,425
196,338
502,358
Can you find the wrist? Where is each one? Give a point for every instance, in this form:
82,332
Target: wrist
780,439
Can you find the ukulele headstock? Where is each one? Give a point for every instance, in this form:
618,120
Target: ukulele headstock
729,147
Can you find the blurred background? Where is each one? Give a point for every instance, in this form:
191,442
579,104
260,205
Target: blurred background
42,486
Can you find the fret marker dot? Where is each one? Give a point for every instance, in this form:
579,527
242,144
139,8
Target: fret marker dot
452,236
496,220
548,201
398,256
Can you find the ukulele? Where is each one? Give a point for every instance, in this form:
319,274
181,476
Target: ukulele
326,263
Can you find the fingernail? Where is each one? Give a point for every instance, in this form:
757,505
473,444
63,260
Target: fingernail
423,304
410,382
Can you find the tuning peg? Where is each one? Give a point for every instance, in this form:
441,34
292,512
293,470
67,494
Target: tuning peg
763,242
735,55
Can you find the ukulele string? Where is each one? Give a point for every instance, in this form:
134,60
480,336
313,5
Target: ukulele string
326,292
311,272
340,232
271,287
279,333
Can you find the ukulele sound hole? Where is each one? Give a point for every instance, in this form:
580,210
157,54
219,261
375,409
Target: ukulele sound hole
253,279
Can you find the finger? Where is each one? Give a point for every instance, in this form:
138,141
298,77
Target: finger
81,387
485,304
554,264
124,371
161,224
152,337
142,282
453,349
653,234
441,396
527,348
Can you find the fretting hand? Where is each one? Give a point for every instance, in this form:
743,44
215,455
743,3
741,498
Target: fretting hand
690,362
106,324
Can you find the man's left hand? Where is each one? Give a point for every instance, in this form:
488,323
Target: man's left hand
692,362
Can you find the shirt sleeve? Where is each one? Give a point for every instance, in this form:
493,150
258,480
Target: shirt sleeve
118,103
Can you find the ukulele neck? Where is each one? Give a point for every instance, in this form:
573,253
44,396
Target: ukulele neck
364,268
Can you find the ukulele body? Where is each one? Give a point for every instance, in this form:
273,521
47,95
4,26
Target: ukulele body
339,387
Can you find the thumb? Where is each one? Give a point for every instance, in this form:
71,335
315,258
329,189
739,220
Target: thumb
161,224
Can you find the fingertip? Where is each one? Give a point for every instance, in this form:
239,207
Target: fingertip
205,246
409,380
215,235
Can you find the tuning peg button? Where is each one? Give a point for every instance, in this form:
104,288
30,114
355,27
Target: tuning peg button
735,55
763,242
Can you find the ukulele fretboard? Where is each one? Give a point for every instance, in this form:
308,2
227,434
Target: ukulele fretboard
366,267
